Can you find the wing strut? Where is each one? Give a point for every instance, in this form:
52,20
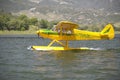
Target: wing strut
64,45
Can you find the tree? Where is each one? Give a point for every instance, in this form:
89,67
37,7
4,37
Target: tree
52,23
3,21
14,24
44,23
22,17
23,22
33,21
24,25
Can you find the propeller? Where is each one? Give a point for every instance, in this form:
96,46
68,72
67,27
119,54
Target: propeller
38,35
38,32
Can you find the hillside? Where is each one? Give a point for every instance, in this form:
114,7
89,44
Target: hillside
80,11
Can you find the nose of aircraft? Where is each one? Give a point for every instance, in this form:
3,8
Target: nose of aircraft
38,33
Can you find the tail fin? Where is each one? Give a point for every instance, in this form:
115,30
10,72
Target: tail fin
108,31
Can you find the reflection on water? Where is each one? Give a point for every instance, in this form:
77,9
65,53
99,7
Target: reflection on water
18,63
86,65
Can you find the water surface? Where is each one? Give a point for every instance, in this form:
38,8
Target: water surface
19,63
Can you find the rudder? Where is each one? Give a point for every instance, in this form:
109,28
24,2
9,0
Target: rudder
108,31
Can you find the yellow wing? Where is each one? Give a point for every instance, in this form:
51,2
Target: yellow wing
66,25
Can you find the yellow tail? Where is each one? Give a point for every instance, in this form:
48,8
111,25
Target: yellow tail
108,31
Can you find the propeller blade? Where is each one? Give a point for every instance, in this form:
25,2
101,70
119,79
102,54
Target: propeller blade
38,35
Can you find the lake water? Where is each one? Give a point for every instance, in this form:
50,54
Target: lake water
17,62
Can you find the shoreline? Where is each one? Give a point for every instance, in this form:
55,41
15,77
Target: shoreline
26,32
17,32
117,32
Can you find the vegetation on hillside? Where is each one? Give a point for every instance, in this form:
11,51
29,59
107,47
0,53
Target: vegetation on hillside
22,23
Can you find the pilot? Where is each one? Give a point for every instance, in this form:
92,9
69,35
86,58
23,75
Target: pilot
69,32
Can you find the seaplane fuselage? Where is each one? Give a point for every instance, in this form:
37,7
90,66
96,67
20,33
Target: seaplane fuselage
76,34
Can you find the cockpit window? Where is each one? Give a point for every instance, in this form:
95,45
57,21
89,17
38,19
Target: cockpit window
65,27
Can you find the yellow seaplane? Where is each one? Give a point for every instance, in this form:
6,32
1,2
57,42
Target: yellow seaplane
66,31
